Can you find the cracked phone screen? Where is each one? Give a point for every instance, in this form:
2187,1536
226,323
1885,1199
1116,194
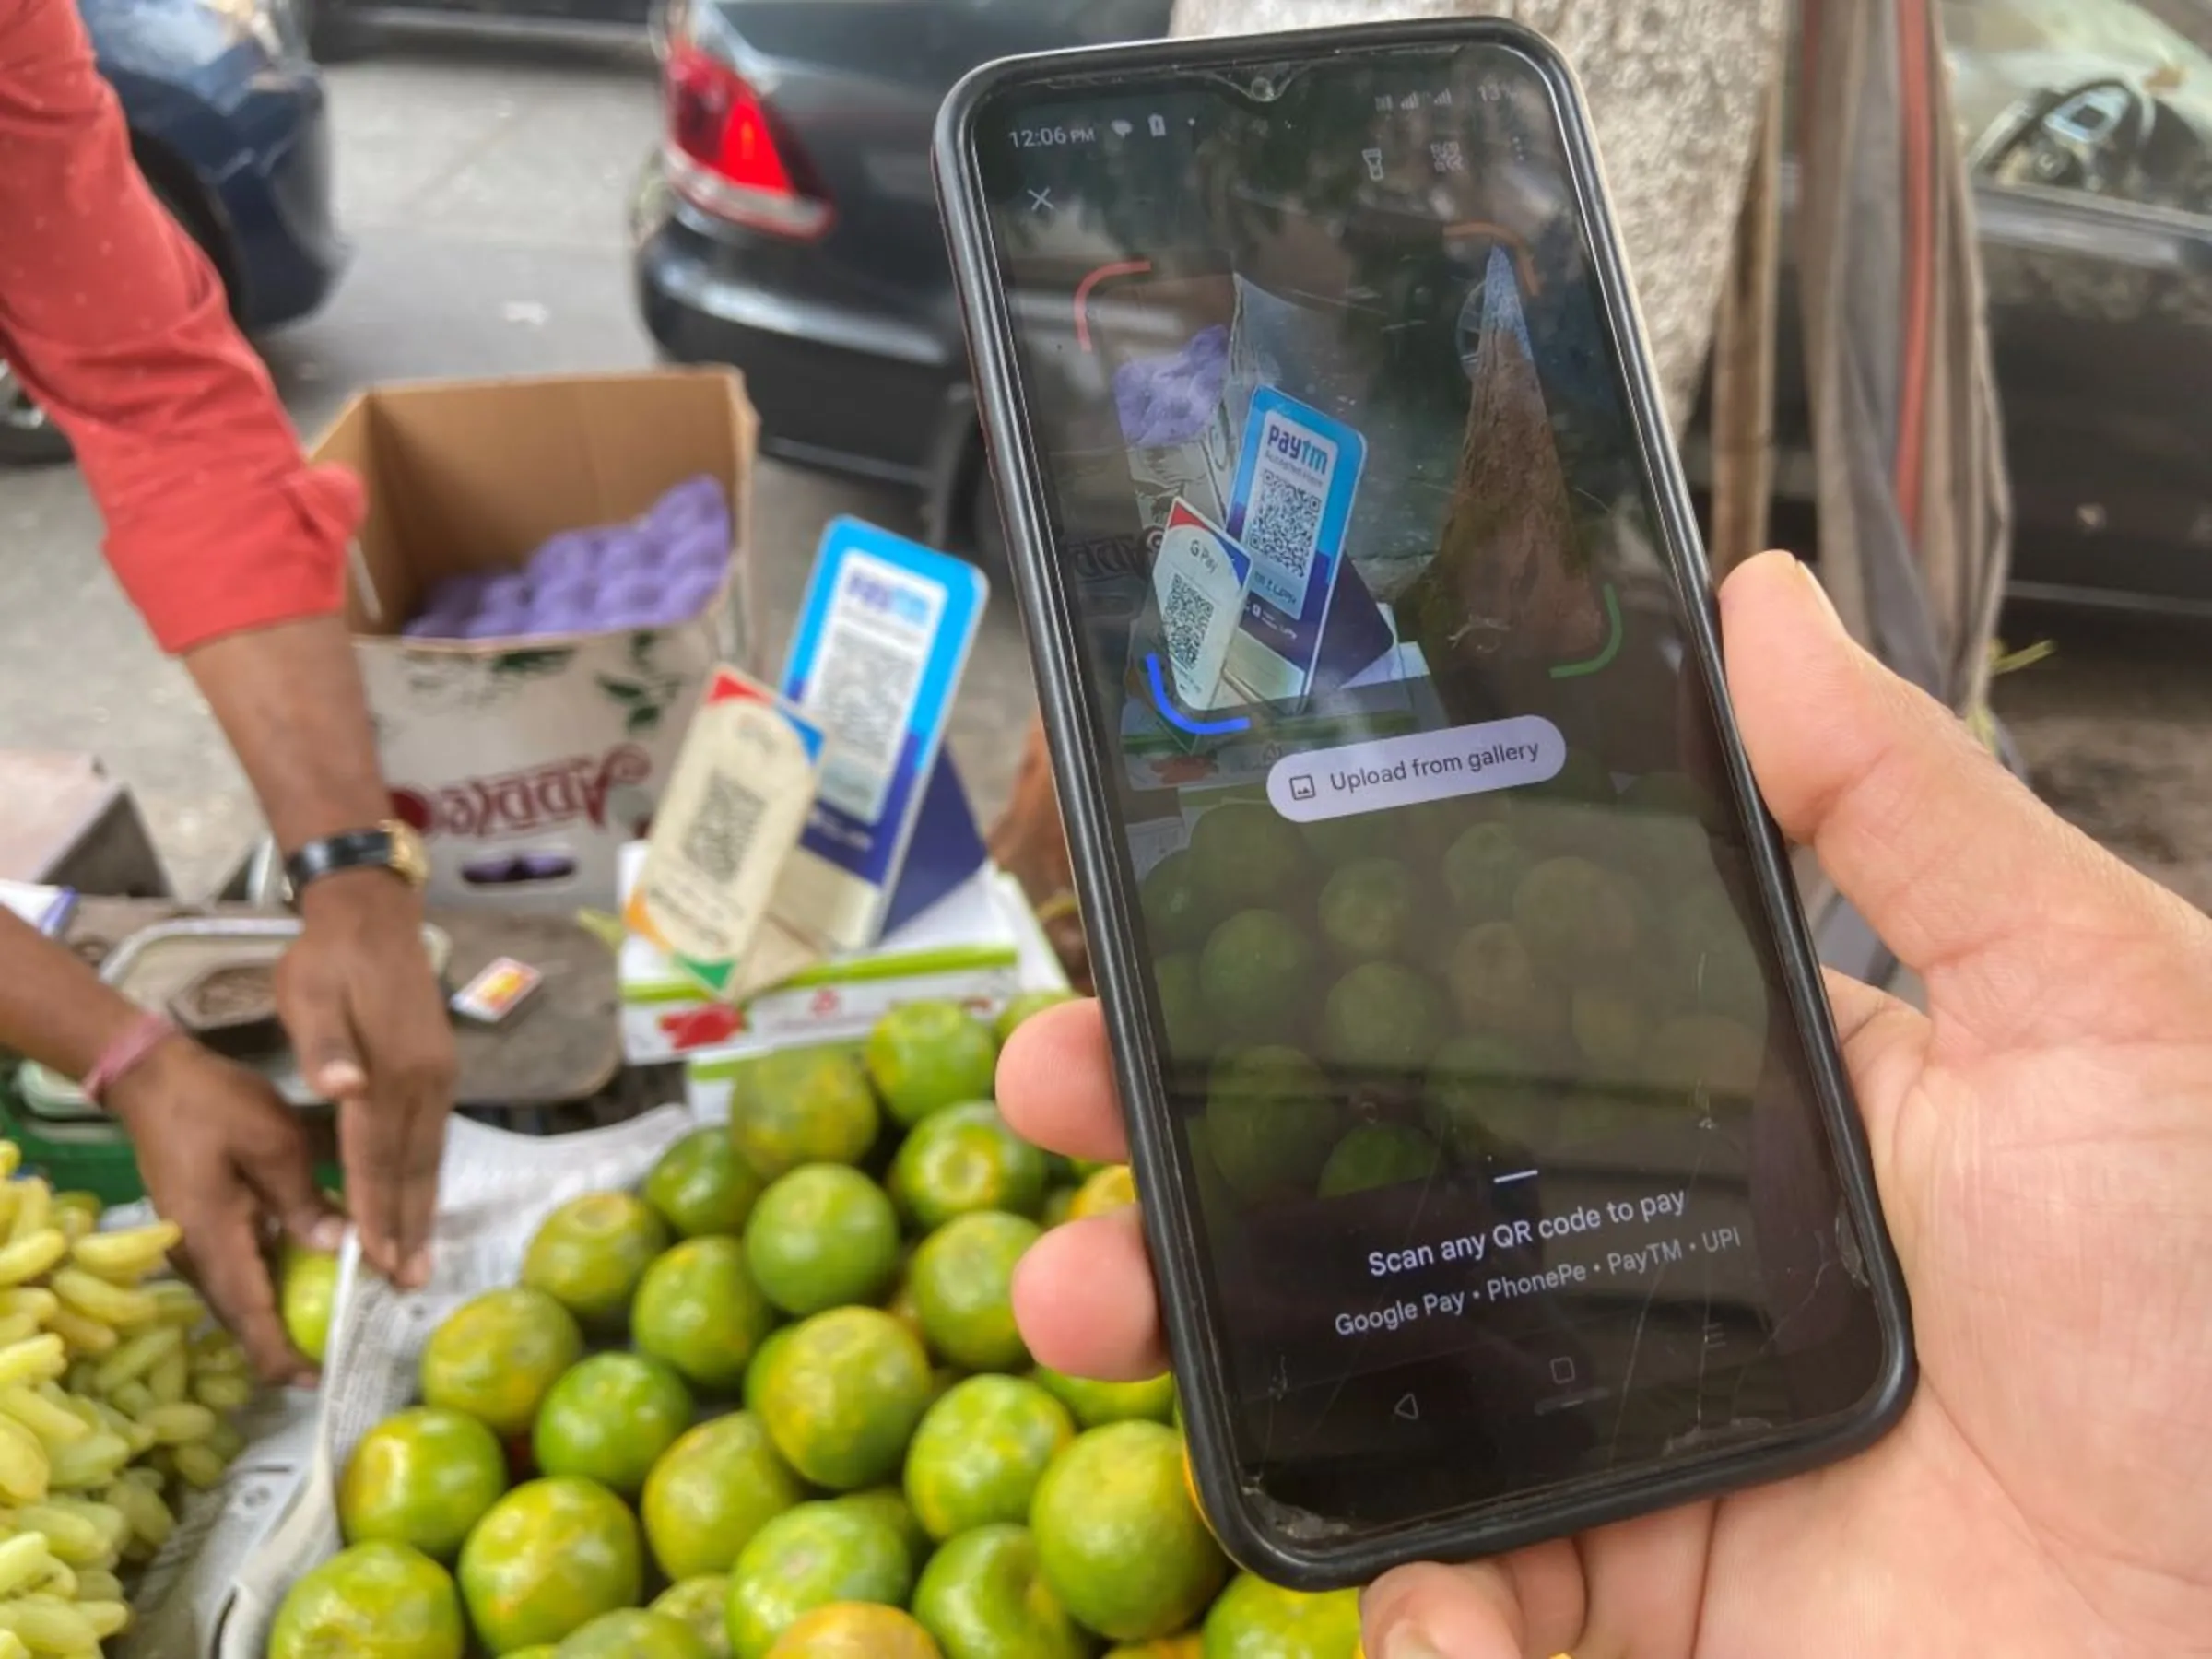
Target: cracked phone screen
1496,1109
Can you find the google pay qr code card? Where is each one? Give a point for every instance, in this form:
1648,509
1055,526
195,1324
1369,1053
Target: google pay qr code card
1198,582
883,637
728,823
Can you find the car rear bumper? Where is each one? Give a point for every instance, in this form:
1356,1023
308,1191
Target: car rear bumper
278,211
835,386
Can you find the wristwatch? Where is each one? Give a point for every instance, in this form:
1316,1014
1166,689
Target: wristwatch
391,846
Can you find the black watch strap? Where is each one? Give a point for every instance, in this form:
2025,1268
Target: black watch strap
383,848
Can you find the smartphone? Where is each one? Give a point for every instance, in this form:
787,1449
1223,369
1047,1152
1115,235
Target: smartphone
1496,1155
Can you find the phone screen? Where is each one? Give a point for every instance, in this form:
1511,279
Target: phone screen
1496,1111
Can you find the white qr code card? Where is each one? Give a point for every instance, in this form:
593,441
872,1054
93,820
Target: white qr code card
1291,510
735,808
1198,579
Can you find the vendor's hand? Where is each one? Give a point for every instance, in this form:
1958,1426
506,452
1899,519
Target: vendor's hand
227,1160
368,1024
2043,1143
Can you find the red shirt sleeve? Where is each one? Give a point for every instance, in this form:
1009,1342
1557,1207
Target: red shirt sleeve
113,319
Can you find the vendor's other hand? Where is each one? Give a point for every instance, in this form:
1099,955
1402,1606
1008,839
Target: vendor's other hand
368,1022
2043,1143
227,1161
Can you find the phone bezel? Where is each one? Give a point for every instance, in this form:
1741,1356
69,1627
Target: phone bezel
1170,1224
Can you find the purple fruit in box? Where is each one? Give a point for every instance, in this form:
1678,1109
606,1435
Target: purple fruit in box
689,594
564,558
498,622
571,606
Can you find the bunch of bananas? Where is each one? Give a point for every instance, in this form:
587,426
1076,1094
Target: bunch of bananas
116,1388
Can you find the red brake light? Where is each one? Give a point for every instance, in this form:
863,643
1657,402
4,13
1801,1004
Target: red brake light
724,155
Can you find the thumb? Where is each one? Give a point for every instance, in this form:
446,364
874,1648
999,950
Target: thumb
1976,885
1532,1602
321,1028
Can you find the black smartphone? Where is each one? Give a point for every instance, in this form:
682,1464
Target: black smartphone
1497,1159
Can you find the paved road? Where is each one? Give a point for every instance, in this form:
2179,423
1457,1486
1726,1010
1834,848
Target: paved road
486,188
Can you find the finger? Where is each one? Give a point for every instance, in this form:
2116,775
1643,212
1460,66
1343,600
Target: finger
283,1177
1055,1083
424,1152
226,1254
372,1146
319,1021
1975,885
1084,1299
1521,1605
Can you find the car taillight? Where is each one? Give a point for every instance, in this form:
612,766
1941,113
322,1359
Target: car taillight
724,154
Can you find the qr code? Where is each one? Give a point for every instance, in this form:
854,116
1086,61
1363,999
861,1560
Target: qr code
1187,615
1280,525
722,829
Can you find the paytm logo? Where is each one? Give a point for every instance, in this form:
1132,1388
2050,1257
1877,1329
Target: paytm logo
1300,449
900,604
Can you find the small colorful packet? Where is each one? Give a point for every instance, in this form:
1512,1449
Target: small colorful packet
502,986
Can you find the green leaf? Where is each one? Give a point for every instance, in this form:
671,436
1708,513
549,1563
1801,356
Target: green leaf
621,690
642,719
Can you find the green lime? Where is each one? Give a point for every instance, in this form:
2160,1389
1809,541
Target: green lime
982,1597
802,1106
1257,976
421,1479
1483,870
1378,1155
589,1255
812,1557
1499,990
821,1237
374,1601
1022,1006
980,1453
697,1604
1097,1404
889,1504
497,1354
965,1158
1369,909
632,1633
963,1281
698,1309
307,1289
1245,853
1187,1026
549,1559
855,1630
1271,1119
1578,918
1382,1017
703,1185
757,1367
1059,1207
1253,1620
1120,1541
1179,914
925,1056
1191,1645
841,1396
711,1490
1482,1095
609,1418
1103,1191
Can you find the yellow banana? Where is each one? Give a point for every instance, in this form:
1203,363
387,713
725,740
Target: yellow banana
180,1425
95,1583
16,1327
133,1398
34,1209
92,1462
143,1509
34,1360
23,1561
95,1298
11,1646
85,1336
107,1616
11,1159
76,1214
133,1253
25,1473
28,1299
180,1305
199,1467
170,1378
22,1259
53,1425
46,1624
73,1540
220,1393
131,1361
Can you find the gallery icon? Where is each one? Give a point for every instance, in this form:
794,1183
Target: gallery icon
1301,788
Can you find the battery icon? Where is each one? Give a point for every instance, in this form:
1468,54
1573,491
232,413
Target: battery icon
1159,126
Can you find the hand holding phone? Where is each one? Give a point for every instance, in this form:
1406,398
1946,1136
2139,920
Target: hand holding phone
2065,1051
1499,1167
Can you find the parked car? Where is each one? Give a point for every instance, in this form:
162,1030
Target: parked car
786,225
228,124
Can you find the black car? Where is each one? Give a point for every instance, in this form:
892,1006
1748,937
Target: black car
787,226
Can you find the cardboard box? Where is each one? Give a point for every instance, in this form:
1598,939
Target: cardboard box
968,946
558,746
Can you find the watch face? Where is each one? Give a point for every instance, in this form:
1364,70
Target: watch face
410,858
